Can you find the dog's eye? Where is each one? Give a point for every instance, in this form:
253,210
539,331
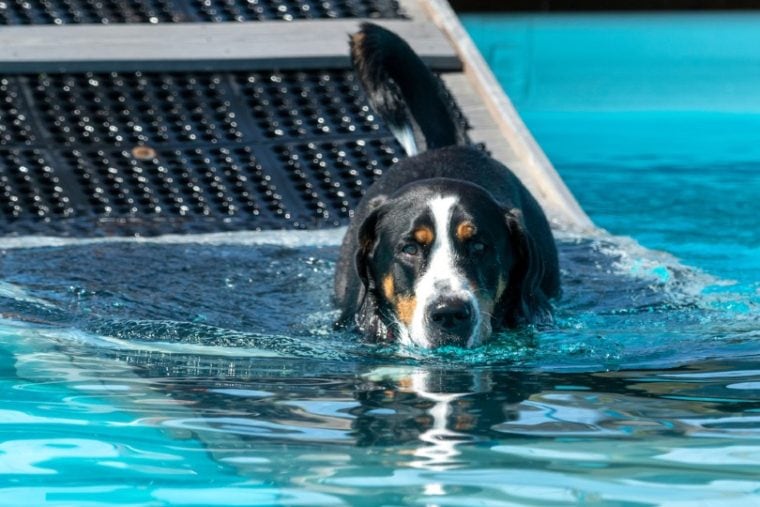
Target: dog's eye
411,249
478,247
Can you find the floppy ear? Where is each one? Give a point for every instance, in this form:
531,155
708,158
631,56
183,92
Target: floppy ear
367,237
524,301
367,316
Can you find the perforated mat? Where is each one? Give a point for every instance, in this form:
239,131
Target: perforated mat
134,153
58,12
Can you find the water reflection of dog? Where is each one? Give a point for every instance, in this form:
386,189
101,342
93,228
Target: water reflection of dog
437,408
431,410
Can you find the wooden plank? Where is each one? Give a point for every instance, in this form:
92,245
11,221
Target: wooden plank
515,146
483,128
414,10
204,46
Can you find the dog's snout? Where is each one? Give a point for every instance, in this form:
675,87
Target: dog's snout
451,313
452,320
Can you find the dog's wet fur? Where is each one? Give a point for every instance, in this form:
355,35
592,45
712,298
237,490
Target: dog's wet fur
447,246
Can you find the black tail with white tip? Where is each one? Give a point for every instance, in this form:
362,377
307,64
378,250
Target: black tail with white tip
403,91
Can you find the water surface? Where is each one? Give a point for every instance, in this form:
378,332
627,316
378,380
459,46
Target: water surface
206,371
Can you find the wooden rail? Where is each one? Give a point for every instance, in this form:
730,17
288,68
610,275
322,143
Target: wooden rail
497,123
203,46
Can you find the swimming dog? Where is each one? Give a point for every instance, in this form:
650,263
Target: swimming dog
447,246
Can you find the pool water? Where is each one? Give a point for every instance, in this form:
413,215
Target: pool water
205,371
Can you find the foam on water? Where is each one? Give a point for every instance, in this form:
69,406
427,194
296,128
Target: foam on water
291,238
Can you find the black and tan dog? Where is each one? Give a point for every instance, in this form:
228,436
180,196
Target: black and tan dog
447,246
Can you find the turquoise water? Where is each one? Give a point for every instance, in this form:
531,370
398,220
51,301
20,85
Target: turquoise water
207,373
652,120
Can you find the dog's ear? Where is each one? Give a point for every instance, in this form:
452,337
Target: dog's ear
524,301
367,238
367,316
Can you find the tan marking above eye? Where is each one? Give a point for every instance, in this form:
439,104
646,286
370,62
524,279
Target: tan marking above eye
389,288
423,235
405,306
465,231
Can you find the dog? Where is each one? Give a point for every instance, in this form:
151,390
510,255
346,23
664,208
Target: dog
447,246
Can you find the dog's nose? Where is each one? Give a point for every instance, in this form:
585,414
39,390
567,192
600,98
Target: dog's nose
451,320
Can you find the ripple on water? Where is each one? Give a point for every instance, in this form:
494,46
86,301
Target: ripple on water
622,306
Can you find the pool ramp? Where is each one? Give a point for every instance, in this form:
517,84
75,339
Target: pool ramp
157,117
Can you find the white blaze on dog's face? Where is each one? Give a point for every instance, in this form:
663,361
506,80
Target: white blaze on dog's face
442,264
443,293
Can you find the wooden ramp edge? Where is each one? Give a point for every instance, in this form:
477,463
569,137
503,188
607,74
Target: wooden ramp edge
496,122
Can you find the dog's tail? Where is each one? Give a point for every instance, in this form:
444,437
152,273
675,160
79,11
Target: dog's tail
403,91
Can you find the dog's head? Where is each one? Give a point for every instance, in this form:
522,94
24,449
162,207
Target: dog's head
444,264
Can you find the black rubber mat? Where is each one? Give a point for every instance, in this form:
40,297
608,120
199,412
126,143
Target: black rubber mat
61,12
134,153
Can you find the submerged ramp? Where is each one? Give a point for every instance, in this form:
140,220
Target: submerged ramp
174,116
